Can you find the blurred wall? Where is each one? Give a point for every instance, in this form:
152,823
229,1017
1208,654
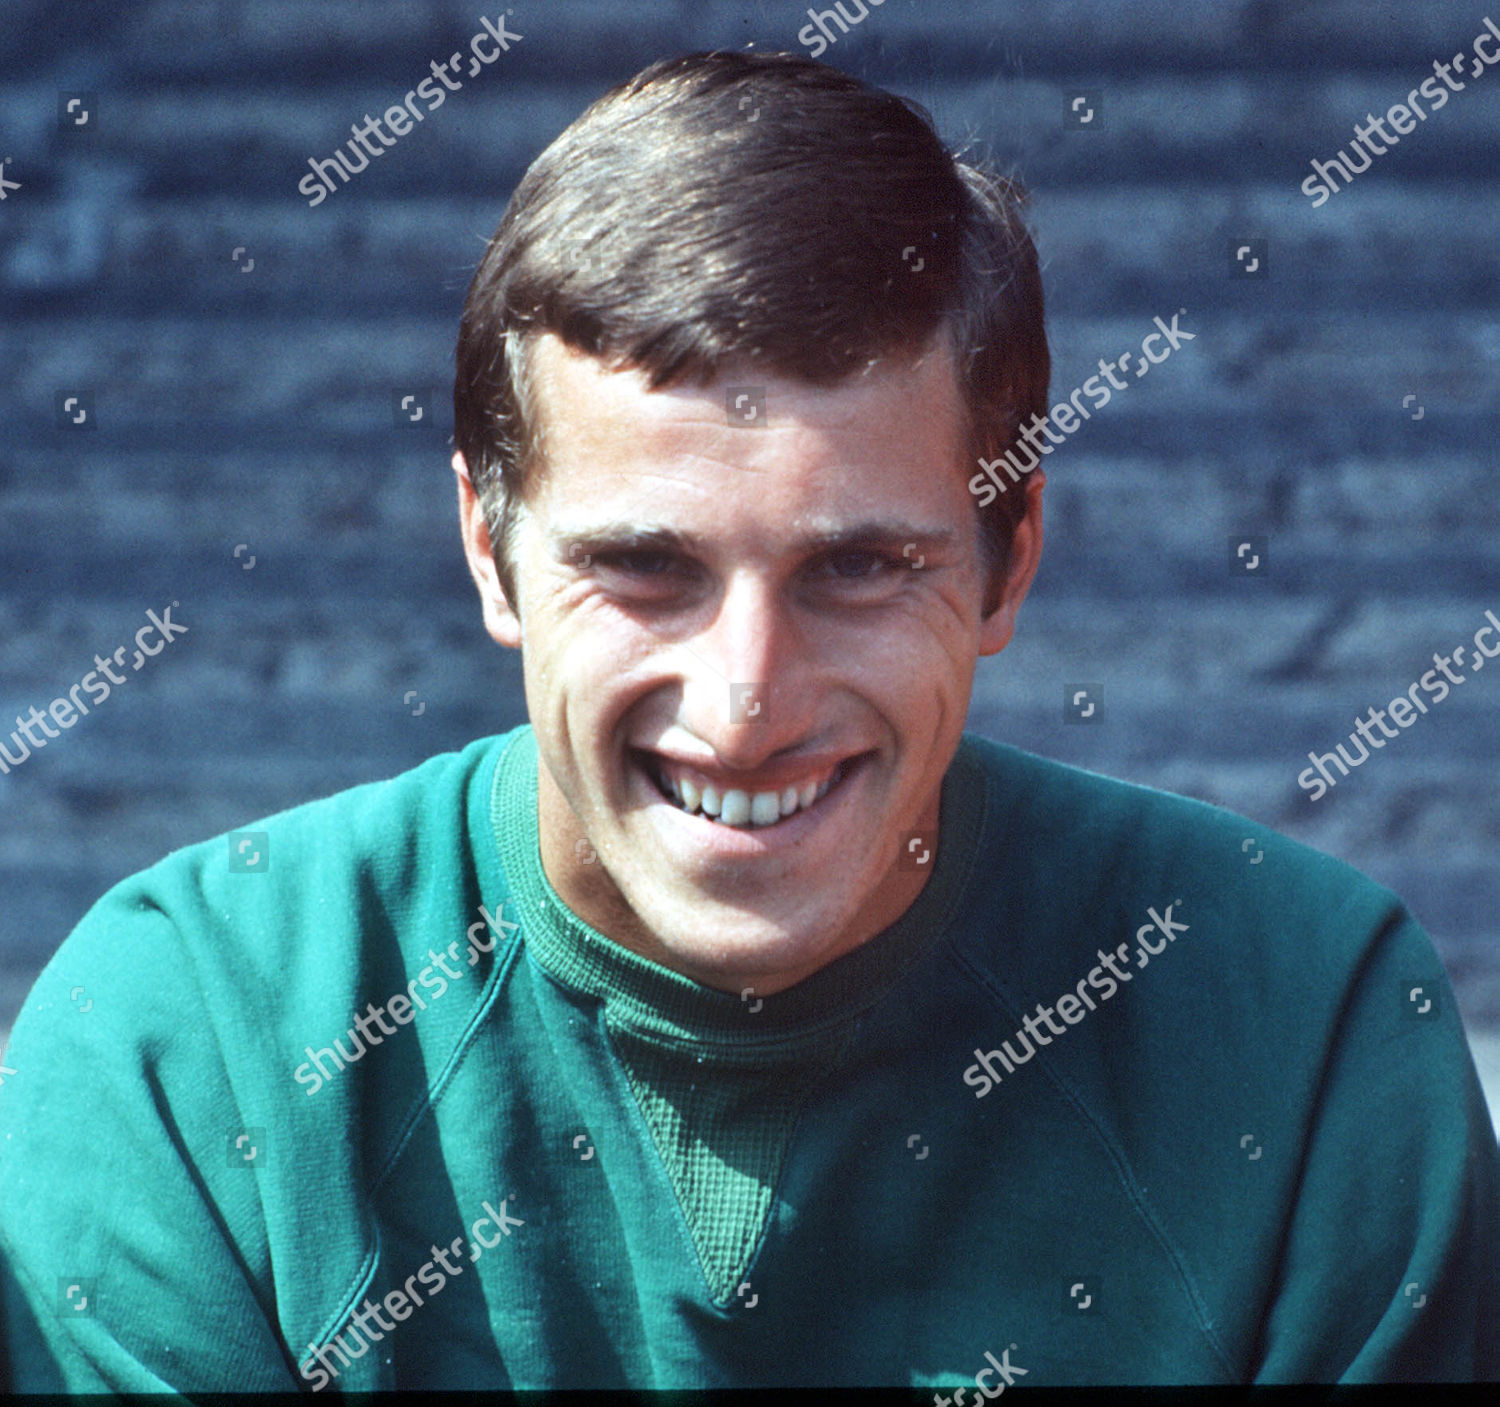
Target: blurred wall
239,359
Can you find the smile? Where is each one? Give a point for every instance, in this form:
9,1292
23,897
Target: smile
737,806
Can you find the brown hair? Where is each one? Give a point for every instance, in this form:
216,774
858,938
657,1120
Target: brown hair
722,206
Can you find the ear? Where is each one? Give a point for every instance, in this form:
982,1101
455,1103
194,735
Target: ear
996,629
502,623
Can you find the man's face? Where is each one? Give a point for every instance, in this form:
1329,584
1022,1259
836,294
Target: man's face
778,623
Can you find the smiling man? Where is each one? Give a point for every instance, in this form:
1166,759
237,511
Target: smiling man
740,1021
745,691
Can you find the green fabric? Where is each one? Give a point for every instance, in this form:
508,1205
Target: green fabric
720,1079
1256,1158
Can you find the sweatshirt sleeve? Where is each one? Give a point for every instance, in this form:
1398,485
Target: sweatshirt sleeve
130,1217
1390,1264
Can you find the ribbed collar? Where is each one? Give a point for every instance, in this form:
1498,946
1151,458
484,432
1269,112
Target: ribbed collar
657,1002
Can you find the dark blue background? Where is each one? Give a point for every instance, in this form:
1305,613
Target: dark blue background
253,405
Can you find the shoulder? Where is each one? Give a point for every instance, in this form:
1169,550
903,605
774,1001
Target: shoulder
278,921
1072,854
381,841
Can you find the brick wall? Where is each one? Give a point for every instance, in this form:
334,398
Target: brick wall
253,405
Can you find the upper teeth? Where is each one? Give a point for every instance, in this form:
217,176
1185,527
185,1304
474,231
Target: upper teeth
735,807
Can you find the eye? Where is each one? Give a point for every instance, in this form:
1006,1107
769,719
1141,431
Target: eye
645,576
645,564
859,565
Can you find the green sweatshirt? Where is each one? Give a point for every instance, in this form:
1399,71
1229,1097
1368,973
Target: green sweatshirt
1115,1101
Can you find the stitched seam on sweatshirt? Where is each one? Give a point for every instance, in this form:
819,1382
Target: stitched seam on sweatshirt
1275,1279
505,959
1123,1172
421,1107
1200,1307
363,1278
484,1000
461,1048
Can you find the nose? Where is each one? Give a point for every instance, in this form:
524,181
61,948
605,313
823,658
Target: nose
749,688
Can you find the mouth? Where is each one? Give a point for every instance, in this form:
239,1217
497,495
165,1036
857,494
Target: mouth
743,808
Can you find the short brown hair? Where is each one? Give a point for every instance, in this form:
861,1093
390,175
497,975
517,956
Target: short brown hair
723,206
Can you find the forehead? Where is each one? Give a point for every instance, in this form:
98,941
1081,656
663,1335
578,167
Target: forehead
901,415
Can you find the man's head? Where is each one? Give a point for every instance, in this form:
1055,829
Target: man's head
762,605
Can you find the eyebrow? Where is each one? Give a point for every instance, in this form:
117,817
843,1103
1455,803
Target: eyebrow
645,537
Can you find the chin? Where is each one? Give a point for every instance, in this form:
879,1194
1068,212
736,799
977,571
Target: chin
719,938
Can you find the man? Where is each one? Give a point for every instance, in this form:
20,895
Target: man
740,1021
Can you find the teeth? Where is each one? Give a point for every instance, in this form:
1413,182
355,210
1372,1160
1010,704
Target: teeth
765,808
737,807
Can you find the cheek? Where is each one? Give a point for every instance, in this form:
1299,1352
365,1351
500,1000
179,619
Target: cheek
925,677
930,646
